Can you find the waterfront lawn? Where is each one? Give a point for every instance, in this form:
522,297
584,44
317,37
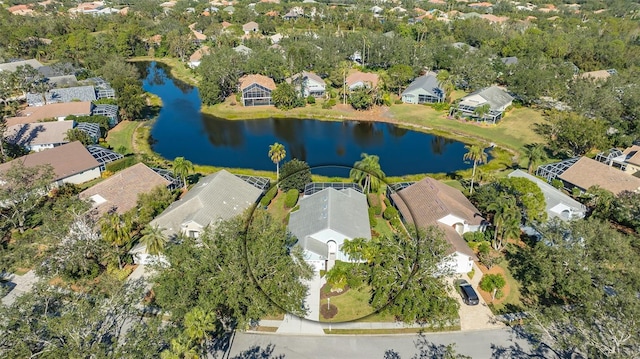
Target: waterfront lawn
121,136
514,131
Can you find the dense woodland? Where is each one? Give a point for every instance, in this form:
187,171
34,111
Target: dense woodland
579,282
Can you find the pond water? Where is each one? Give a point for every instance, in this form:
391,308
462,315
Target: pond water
182,130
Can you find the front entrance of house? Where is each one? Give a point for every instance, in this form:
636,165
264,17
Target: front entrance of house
332,249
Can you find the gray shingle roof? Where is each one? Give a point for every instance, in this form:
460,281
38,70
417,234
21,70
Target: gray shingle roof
219,196
427,84
511,60
91,129
496,97
13,66
344,212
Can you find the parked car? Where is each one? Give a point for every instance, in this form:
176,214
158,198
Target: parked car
469,296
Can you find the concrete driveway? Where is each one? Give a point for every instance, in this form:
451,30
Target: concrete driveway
474,317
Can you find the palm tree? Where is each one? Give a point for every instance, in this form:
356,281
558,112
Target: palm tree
535,154
116,230
505,218
477,155
198,326
481,111
153,239
367,172
445,79
182,168
277,153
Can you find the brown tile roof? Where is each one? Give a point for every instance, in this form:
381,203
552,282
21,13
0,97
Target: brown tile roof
264,81
67,160
121,190
39,133
481,4
197,55
250,26
587,172
226,24
427,201
37,113
495,19
597,75
365,77
634,155
199,36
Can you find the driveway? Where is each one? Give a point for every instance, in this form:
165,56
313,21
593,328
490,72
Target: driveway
23,283
474,317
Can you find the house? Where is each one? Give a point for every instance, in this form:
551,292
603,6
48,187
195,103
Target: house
598,75
276,38
510,60
39,136
583,173
196,57
558,204
432,203
217,197
325,220
308,83
362,79
57,111
243,50
21,10
627,160
120,191
69,94
13,66
103,155
464,47
495,98
250,27
424,89
256,90
493,19
92,130
71,163
109,111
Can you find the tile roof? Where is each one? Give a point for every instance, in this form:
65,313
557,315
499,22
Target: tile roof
264,81
121,190
221,195
364,77
633,155
342,211
67,160
597,75
68,94
40,133
428,83
197,55
250,26
587,172
55,110
426,202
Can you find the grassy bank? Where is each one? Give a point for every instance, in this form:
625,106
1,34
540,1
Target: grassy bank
179,69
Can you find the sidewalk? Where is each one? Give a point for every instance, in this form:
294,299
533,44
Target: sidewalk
309,324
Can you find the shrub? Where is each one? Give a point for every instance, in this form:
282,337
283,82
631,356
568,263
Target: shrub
556,183
377,210
372,217
311,100
441,106
238,96
373,200
295,174
490,282
268,197
121,164
396,224
291,198
387,202
390,213
398,102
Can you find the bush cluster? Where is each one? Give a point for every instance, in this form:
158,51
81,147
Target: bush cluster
121,164
389,213
372,217
268,197
291,198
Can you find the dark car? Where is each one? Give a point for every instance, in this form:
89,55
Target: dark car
469,295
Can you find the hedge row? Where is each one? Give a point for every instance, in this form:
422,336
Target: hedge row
291,198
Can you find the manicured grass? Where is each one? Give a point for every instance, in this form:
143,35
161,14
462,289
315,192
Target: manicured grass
179,69
277,209
382,227
122,135
231,110
393,331
354,304
513,297
513,131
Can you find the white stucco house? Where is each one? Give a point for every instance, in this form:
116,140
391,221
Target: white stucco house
308,83
494,97
39,136
432,203
325,220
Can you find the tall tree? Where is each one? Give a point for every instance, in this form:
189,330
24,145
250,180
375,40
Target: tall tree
446,81
153,239
277,153
506,220
116,230
535,153
368,173
295,174
477,155
181,168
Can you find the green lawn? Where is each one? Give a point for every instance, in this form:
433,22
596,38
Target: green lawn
179,70
276,208
122,135
354,304
512,301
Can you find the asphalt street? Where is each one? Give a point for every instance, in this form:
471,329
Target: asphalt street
483,344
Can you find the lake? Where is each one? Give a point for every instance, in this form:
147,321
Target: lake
182,130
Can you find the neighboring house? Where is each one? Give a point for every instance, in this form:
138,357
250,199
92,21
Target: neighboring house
217,197
424,89
583,173
362,79
465,47
58,111
250,27
497,99
276,38
309,84
558,204
91,129
120,191
432,203
109,111
103,155
196,57
241,49
39,136
627,160
13,66
511,60
71,163
325,220
69,94
598,75
256,90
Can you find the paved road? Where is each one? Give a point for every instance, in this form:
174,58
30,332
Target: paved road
496,343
